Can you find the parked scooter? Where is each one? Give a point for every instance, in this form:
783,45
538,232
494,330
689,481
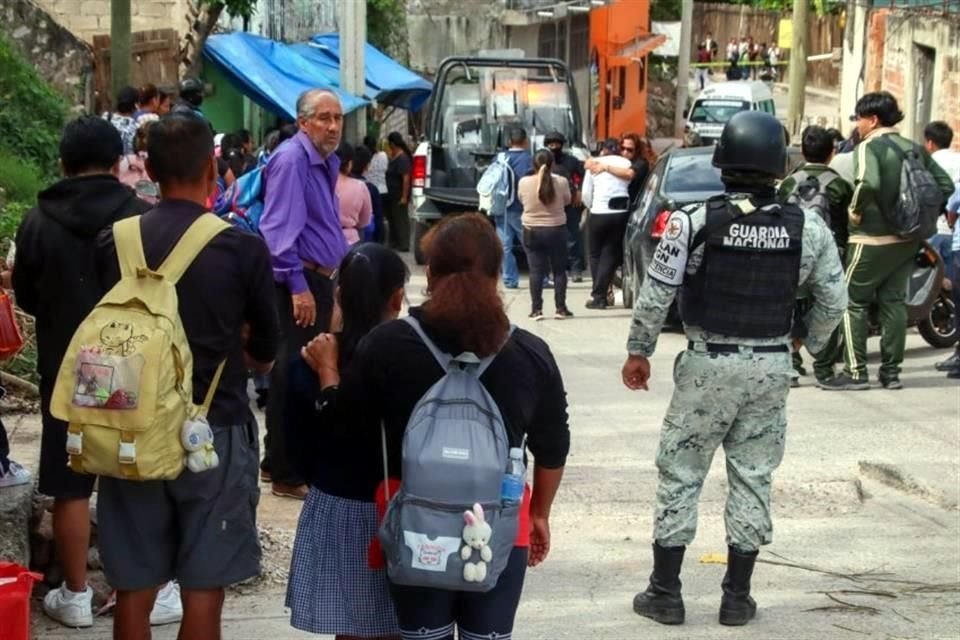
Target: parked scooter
929,305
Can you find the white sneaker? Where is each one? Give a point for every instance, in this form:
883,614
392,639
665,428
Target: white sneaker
15,476
68,608
167,608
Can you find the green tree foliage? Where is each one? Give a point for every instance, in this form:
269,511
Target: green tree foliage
385,21
31,113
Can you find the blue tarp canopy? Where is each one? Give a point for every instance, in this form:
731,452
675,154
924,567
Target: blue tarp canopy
387,81
270,73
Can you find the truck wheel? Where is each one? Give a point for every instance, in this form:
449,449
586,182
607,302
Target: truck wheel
419,230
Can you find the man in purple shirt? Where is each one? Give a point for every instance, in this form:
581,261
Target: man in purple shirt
301,225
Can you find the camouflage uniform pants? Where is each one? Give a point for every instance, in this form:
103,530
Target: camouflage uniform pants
737,400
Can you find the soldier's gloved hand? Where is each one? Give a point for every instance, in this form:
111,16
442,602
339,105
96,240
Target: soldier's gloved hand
636,373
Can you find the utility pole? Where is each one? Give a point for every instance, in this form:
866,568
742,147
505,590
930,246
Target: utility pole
798,67
119,46
353,39
683,67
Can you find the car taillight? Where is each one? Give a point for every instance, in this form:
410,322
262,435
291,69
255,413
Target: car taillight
660,224
419,177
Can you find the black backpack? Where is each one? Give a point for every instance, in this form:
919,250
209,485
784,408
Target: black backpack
920,201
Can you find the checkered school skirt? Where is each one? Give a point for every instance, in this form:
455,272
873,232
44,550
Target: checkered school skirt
332,590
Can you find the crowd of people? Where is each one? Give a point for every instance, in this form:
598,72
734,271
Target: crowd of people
745,59
311,302
860,179
308,304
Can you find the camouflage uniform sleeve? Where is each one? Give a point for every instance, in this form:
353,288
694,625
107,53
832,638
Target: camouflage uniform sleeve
664,276
825,283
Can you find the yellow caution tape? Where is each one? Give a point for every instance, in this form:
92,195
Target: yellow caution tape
713,558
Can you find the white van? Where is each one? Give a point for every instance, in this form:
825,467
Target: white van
718,103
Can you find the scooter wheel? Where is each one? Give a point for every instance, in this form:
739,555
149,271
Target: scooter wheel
939,327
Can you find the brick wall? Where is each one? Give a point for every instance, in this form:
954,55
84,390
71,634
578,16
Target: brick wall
87,18
897,34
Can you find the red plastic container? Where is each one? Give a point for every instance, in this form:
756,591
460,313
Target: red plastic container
11,340
16,583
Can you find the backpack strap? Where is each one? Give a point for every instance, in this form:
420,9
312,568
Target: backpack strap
208,399
799,176
900,151
200,233
826,178
126,238
445,360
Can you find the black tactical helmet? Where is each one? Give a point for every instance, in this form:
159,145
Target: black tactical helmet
752,142
191,88
554,136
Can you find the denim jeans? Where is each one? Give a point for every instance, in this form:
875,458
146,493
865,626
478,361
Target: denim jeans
510,230
942,243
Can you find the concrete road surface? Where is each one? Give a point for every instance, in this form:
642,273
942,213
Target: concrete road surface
865,504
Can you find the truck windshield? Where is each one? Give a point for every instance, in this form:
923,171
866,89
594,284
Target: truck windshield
480,105
716,111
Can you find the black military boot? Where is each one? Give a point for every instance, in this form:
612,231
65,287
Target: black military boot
662,600
737,608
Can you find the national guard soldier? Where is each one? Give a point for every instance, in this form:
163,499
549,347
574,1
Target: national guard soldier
737,262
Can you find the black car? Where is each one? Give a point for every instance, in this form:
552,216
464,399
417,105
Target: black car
681,177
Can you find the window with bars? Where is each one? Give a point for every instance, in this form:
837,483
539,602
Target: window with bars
579,42
553,40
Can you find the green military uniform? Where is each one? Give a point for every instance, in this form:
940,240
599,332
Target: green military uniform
839,192
878,261
736,399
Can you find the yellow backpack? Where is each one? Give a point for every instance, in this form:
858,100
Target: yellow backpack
126,383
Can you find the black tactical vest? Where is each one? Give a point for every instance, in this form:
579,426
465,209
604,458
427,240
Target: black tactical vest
746,285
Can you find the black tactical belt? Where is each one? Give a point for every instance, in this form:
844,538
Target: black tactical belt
716,347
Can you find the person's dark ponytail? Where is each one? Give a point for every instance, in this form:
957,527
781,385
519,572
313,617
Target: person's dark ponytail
546,191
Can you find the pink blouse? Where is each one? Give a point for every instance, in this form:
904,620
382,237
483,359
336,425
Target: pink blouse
356,209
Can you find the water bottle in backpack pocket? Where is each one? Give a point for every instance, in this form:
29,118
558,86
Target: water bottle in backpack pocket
448,526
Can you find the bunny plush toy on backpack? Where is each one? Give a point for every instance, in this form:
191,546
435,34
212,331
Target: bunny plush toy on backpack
476,536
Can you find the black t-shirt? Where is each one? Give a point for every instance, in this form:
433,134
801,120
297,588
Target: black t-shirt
229,284
392,369
640,170
397,168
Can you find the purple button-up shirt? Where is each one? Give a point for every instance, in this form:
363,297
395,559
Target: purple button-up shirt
301,215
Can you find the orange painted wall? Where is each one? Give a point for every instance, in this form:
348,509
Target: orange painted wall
619,82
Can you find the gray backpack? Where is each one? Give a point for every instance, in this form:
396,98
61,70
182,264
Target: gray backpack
920,202
810,192
455,455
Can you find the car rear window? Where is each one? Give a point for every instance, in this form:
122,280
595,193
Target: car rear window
689,177
716,111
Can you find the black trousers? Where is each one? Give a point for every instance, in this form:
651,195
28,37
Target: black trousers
606,249
398,219
438,615
278,461
574,238
546,249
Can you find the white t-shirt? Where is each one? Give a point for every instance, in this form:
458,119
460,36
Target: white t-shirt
949,161
377,172
599,189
